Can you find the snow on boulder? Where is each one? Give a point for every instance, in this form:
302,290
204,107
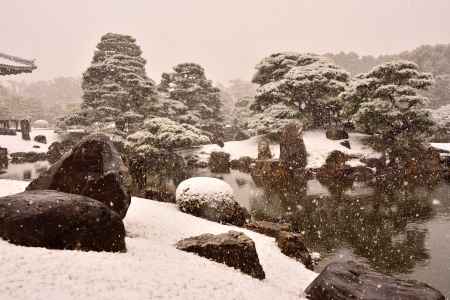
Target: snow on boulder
210,198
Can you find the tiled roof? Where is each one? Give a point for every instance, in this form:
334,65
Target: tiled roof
10,65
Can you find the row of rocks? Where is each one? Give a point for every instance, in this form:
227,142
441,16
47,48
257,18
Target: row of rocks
79,203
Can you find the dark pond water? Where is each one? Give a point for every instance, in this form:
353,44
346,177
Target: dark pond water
406,233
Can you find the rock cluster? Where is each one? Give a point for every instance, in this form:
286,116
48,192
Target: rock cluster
77,204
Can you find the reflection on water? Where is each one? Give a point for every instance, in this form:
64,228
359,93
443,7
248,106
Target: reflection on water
26,171
405,233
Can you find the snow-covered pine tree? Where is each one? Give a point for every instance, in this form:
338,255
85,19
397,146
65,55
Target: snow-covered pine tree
386,102
299,85
116,81
188,84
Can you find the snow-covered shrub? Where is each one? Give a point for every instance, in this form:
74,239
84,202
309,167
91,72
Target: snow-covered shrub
273,119
168,134
210,198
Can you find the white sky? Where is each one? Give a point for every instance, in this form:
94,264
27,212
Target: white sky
227,37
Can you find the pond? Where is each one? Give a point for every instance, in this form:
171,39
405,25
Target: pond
406,233
26,171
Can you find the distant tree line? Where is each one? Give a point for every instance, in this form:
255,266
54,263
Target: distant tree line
432,59
48,100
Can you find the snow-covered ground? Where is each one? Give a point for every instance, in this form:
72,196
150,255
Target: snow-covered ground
16,144
152,268
317,146
441,146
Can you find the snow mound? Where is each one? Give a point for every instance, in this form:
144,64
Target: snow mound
151,268
208,186
317,145
441,146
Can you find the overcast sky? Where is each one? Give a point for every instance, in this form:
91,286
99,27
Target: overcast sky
227,37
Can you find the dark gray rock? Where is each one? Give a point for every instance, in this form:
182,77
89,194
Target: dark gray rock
292,147
346,144
40,139
242,164
94,169
233,248
264,150
25,129
268,228
58,220
336,134
27,157
219,162
292,245
3,158
349,280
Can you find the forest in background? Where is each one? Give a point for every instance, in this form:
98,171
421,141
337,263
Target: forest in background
55,98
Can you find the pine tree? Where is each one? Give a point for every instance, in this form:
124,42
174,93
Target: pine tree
188,85
386,102
116,81
303,83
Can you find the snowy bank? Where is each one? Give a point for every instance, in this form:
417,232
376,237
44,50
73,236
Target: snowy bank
317,145
15,143
152,267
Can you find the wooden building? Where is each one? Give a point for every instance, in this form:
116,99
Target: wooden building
11,65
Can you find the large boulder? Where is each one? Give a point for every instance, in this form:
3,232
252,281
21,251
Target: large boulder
58,220
40,139
94,169
336,134
292,148
233,248
349,280
219,162
210,198
292,245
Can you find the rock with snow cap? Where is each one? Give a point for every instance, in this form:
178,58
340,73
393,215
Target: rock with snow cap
210,198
